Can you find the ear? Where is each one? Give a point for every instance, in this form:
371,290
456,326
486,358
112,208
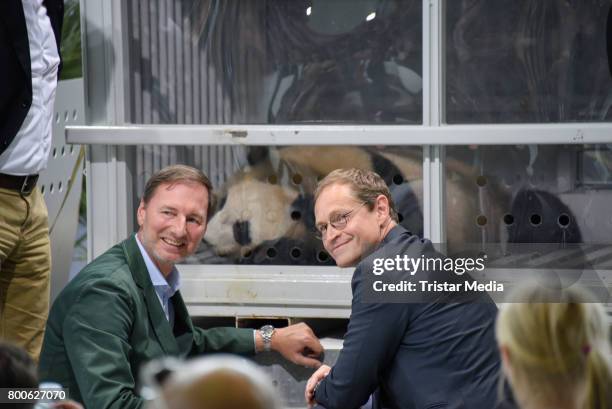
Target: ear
140,213
381,206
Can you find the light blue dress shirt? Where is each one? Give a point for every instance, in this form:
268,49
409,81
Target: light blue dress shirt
164,289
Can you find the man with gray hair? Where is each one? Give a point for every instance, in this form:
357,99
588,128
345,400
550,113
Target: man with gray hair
416,354
125,308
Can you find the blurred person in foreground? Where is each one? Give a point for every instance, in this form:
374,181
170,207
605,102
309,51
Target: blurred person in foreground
215,382
417,354
18,371
556,354
125,309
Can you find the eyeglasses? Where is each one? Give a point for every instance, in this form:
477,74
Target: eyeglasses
337,221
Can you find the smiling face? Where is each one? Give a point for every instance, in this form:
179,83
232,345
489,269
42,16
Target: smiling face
173,222
365,228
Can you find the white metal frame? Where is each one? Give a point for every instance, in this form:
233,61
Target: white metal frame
61,182
434,135
433,105
108,172
108,218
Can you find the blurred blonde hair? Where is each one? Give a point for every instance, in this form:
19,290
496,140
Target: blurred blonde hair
558,352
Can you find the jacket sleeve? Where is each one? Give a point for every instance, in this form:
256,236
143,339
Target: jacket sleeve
374,333
232,340
96,333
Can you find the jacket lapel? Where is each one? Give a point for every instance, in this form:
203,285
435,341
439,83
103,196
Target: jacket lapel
157,318
11,11
183,327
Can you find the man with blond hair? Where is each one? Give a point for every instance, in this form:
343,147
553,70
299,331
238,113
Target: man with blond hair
125,309
416,354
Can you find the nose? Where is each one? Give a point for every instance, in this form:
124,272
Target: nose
241,232
180,227
331,233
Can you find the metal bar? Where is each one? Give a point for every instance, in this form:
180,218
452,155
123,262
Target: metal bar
434,205
118,50
432,63
250,310
551,134
136,108
146,63
434,200
89,197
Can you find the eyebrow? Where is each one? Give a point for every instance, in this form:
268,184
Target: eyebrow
332,215
199,216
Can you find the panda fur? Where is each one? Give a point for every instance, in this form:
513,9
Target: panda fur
263,223
265,213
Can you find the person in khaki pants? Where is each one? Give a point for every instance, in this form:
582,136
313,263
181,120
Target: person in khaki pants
29,51
25,265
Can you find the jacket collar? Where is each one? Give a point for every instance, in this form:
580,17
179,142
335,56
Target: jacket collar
157,318
170,283
394,234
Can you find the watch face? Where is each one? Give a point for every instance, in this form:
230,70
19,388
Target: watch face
267,330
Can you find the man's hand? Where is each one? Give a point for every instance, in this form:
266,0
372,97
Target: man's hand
312,383
297,343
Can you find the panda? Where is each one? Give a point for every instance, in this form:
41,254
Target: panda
265,211
261,222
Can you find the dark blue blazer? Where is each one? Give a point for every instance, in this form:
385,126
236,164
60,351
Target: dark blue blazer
419,355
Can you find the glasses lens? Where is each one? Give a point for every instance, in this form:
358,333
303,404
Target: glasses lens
339,222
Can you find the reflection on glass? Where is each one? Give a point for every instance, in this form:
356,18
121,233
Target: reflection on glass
527,61
275,61
532,194
264,210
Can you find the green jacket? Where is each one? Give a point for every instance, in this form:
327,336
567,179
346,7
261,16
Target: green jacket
108,322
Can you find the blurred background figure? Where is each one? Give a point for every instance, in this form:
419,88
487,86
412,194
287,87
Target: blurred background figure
556,355
18,371
214,382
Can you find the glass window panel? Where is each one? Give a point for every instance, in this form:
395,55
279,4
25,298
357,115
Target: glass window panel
554,194
275,61
71,42
534,61
264,210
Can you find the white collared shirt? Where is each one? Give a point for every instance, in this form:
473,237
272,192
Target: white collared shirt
164,289
29,151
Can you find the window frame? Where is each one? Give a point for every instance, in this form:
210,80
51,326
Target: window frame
107,135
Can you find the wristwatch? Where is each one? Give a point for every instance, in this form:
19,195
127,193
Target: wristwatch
266,334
